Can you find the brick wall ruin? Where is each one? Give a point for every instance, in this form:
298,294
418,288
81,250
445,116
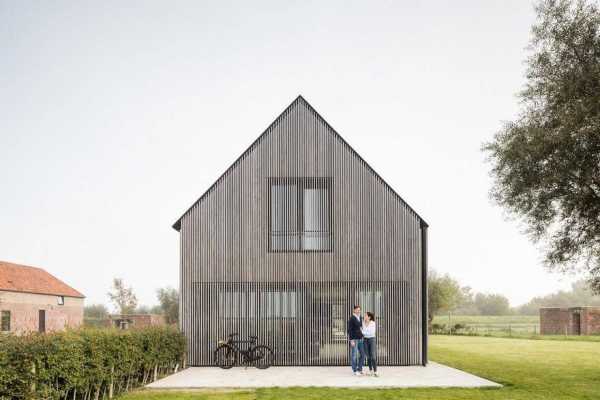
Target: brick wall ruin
570,321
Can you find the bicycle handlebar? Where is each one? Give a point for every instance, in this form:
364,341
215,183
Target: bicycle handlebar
253,338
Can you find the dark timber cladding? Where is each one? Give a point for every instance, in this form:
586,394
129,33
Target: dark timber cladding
293,234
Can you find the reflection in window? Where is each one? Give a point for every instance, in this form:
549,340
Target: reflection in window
300,214
278,304
284,217
371,300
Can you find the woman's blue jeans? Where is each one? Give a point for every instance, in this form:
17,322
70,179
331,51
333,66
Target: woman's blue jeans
371,350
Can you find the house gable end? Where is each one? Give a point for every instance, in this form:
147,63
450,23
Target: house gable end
298,103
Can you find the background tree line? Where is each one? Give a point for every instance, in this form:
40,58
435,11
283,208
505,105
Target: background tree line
446,295
125,301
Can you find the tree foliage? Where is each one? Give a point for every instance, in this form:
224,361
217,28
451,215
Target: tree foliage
546,163
143,309
444,294
168,299
95,311
579,295
122,297
492,304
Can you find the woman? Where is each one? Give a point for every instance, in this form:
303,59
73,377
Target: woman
370,342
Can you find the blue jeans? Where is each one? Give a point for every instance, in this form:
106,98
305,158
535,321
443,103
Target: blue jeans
357,354
371,350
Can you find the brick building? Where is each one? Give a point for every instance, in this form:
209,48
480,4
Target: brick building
570,321
128,321
33,300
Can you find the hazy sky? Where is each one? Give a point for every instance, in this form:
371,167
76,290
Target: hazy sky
116,116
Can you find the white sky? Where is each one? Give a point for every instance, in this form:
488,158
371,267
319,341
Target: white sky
116,116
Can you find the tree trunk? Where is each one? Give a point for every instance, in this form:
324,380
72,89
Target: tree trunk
112,382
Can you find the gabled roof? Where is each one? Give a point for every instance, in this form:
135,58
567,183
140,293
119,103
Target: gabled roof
299,100
22,278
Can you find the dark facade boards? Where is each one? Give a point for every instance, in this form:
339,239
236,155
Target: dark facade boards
293,234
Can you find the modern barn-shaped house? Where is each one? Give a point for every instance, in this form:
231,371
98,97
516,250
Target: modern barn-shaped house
293,234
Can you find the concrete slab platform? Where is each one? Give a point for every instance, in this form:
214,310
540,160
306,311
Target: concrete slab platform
433,375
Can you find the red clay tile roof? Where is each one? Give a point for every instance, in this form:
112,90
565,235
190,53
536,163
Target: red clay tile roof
22,278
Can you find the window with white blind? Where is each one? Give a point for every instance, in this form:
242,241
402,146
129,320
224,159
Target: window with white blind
300,214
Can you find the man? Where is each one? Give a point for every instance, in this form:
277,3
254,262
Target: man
357,352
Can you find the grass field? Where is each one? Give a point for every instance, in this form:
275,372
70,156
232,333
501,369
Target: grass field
529,369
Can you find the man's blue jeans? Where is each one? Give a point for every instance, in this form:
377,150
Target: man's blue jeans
357,354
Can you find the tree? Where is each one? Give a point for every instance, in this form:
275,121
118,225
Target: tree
546,163
467,304
95,311
579,295
168,299
122,297
143,309
445,294
492,304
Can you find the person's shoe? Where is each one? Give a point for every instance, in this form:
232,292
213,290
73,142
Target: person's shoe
356,373
375,374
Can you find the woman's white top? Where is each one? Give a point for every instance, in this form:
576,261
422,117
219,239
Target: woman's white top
368,330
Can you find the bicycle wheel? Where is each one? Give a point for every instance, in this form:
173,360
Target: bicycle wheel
225,357
262,357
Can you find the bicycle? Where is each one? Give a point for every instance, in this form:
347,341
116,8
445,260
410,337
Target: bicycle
228,353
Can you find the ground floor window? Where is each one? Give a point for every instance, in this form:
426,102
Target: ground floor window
5,321
306,322
252,304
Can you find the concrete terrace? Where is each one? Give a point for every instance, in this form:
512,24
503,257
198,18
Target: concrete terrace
433,375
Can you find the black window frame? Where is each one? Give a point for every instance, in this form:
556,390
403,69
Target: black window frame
61,300
301,183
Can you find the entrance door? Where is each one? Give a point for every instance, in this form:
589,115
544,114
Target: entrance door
42,321
576,329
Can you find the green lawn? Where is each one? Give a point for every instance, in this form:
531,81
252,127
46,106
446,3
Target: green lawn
529,369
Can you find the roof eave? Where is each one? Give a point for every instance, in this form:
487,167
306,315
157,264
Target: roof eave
177,224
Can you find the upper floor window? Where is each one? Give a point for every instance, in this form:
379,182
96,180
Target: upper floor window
300,214
61,300
5,321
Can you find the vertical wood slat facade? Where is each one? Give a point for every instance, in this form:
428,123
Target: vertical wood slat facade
298,302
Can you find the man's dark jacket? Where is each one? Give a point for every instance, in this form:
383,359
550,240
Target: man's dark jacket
354,328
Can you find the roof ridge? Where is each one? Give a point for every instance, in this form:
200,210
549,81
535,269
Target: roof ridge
298,99
30,279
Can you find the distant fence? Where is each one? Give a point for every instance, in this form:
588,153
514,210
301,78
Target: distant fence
491,329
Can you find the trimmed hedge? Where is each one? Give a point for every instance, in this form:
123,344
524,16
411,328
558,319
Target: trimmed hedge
86,364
